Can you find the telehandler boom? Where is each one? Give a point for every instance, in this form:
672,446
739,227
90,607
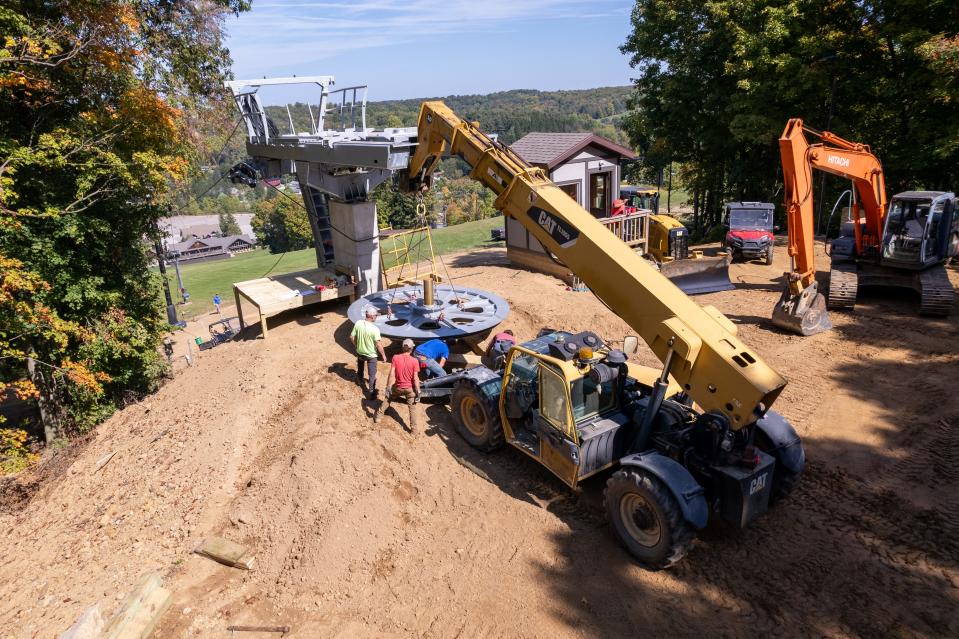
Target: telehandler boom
695,437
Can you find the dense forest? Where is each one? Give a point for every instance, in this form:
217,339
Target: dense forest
510,114
717,82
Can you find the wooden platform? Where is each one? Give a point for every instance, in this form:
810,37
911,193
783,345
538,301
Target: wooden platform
278,293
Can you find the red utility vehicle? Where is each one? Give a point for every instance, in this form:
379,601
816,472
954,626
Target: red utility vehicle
750,233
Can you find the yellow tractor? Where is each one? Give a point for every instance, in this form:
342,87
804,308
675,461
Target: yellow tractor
691,271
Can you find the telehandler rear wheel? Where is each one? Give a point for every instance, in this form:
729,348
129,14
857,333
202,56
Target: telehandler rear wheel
646,519
476,416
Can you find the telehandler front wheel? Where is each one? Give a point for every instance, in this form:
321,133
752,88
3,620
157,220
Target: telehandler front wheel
646,519
476,417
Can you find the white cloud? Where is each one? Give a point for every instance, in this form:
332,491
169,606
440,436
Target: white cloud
295,34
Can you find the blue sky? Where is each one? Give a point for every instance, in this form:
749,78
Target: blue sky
429,48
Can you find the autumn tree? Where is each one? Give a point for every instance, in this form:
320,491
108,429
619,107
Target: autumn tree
100,112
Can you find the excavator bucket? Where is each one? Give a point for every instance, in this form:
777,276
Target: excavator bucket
803,314
699,275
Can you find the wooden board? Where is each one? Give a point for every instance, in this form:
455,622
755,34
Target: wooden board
140,611
278,293
225,552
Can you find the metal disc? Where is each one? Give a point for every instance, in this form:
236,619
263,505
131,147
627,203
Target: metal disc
455,312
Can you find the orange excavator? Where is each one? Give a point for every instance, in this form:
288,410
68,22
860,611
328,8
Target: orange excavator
900,244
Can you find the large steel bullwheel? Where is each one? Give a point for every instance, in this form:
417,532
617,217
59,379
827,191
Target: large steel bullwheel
476,416
646,519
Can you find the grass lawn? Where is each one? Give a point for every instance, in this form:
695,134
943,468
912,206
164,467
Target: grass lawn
204,279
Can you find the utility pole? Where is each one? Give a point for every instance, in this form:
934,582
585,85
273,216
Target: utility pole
170,306
669,192
184,296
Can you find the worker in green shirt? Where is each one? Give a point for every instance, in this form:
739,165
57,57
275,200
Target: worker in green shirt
366,339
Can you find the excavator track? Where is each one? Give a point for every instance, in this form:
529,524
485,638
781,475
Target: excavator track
937,293
843,287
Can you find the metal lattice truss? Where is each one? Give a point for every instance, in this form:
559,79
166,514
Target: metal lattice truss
338,154
406,257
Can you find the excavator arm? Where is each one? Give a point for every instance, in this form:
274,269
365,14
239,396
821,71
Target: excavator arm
802,308
697,344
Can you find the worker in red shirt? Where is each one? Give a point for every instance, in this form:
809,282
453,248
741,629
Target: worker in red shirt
619,208
403,383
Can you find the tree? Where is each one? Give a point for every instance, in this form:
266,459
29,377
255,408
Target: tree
281,223
98,103
229,225
717,82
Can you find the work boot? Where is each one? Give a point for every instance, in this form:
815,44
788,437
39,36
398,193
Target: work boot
413,424
380,408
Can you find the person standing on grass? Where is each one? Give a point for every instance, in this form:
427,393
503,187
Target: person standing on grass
403,383
366,339
432,354
216,302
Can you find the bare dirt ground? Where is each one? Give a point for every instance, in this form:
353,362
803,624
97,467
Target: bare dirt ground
363,530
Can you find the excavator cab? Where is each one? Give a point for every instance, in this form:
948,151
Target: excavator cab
921,229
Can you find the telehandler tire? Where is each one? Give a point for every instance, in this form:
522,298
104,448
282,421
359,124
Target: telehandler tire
476,416
646,519
784,480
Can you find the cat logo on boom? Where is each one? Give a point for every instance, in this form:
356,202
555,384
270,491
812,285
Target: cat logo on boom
558,229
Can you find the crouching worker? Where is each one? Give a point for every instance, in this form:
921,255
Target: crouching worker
498,348
403,383
432,355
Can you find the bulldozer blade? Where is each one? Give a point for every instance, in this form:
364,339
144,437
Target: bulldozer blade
804,314
699,275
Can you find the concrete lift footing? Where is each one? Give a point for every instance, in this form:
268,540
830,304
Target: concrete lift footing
356,243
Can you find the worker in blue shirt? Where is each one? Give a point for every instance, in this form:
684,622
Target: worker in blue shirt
432,355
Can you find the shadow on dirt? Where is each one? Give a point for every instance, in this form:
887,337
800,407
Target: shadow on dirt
841,556
305,316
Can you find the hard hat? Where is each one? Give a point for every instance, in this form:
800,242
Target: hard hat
408,344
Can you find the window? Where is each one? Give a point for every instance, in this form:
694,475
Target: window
554,404
571,190
590,398
521,386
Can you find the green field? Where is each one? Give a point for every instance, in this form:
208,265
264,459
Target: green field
205,279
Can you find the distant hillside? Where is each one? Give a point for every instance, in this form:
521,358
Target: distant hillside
511,114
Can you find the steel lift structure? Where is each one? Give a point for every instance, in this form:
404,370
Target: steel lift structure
338,161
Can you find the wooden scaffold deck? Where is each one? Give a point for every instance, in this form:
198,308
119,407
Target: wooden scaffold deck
278,293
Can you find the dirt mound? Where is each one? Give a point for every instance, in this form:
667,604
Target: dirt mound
363,530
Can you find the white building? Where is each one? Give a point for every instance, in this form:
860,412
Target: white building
584,165
183,227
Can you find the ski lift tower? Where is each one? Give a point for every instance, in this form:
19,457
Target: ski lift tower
337,161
